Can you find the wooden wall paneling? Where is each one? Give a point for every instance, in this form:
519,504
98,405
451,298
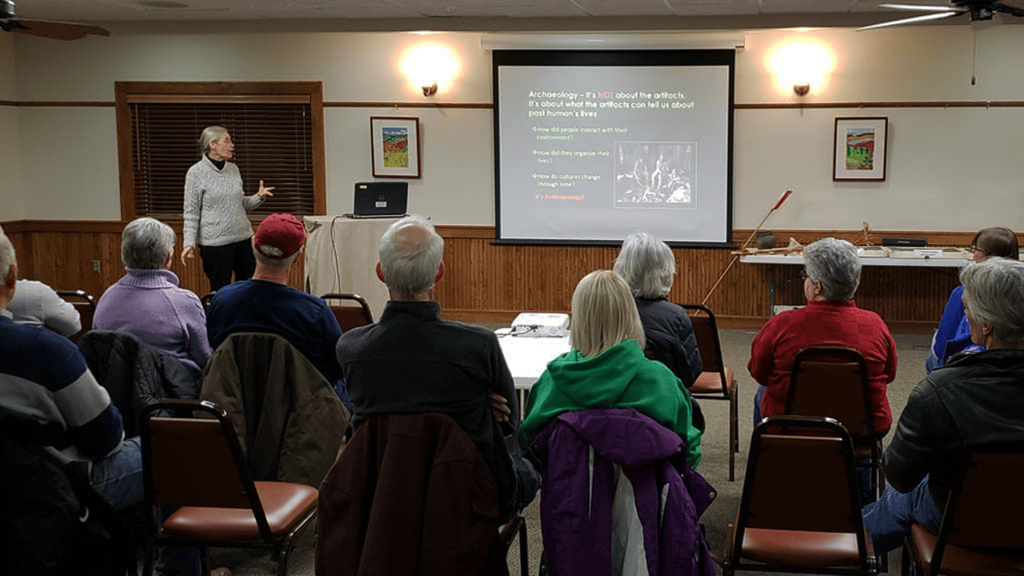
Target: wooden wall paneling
488,282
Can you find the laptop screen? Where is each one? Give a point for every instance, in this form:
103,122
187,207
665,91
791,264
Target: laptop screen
380,199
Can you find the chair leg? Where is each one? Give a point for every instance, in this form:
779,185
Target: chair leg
148,561
734,435
524,556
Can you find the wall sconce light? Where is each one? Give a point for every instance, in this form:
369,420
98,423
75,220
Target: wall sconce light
800,66
429,67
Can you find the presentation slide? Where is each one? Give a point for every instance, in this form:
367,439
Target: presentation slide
592,146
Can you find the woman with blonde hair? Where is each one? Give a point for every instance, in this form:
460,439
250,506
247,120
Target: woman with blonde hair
606,367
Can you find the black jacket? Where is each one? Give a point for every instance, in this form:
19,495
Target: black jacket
669,334
135,374
974,401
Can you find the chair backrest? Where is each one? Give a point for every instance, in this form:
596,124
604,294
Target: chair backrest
351,310
985,504
832,381
206,299
705,330
800,476
196,462
85,304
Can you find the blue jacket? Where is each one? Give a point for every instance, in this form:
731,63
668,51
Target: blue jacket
661,533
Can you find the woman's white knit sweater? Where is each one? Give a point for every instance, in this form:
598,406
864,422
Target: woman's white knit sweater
215,205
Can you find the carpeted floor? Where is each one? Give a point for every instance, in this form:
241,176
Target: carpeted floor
911,351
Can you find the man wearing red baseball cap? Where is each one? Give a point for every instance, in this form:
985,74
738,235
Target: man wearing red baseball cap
267,304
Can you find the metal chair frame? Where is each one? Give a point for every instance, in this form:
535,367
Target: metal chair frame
799,458
222,490
705,329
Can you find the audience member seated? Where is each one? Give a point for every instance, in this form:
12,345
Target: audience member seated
411,361
37,304
606,367
831,318
649,269
147,302
953,335
267,304
45,379
975,402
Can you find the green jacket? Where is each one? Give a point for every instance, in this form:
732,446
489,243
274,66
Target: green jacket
619,377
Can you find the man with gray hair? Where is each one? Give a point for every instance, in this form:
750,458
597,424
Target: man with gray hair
147,301
974,401
48,387
267,304
412,361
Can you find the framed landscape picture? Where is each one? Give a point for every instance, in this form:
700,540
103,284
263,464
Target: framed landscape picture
859,148
395,147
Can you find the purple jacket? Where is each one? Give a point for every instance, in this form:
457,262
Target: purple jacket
581,449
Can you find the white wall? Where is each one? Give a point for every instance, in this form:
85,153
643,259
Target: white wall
11,207
949,169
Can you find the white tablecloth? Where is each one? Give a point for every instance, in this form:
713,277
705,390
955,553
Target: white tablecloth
528,357
341,256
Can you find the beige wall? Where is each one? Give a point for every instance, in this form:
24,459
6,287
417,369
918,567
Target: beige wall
12,205
949,169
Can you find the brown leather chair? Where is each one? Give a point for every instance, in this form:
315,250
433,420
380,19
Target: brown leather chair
981,533
85,304
833,381
716,381
800,511
196,465
351,310
206,299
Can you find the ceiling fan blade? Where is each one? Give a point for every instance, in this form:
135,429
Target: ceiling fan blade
922,7
58,30
1004,8
924,18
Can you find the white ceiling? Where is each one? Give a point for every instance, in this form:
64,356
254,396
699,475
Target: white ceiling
324,15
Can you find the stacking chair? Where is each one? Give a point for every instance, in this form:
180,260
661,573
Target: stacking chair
981,533
800,511
351,310
196,465
833,381
85,304
507,533
206,299
716,382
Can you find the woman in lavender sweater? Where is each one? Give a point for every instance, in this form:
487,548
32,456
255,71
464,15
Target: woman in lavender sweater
147,301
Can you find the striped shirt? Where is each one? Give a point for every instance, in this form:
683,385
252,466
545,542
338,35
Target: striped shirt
44,378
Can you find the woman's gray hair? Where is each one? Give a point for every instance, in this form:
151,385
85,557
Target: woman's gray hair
603,314
647,265
146,243
7,257
210,134
994,295
835,265
410,256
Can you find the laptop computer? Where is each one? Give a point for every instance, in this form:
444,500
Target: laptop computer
380,199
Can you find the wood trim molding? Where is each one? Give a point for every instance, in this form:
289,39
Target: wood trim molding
464,105
915,104
127,93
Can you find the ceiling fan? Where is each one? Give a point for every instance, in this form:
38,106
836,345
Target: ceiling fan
44,28
977,9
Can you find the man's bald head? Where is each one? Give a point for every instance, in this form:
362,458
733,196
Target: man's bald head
410,257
